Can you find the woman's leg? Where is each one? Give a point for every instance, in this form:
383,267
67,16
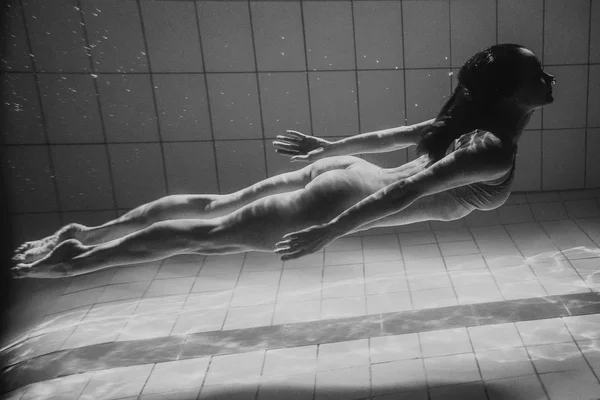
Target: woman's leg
172,207
254,227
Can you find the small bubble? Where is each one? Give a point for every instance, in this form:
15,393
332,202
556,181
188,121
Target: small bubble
416,105
282,53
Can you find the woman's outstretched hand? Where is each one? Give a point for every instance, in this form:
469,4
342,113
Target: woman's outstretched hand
301,147
306,241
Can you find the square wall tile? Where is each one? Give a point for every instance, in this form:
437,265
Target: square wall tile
566,30
169,23
234,105
28,177
240,163
381,95
529,162
71,108
535,122
226,36
115,35
83,178
378,31
278,36
426,92
137,172
334,103
284,102
56,47
15,55
595,34
594,97
563,163
182,105
28,227
90,218
521,21
329,35
21,121
279,163
473,28
128,108
191,167
426,39
570,98
592,173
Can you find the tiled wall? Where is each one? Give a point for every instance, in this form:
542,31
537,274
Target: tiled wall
108,104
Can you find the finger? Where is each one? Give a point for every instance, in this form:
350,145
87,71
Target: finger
292,236
289,137
287,152
285,145
300,135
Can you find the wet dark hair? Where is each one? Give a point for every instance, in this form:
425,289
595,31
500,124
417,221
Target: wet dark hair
489,76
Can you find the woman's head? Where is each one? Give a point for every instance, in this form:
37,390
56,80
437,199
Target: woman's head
506,72
495,86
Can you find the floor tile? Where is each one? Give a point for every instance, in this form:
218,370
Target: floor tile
545,331
397,376
504,363
394,347
445,342
451,370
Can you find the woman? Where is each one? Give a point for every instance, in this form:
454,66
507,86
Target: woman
467,159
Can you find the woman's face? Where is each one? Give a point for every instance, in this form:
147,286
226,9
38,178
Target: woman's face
536,88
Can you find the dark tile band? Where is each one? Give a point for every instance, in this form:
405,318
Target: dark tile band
21,372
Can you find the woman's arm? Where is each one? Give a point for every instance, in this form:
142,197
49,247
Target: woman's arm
380,141
459,168
311,148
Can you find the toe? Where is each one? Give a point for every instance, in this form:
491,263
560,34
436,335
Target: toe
19,258
20,271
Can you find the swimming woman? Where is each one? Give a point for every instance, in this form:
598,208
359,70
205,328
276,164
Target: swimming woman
466,162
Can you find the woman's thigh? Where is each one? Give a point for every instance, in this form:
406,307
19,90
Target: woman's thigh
262,223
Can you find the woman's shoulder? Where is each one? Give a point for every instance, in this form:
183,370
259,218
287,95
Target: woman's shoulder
489,143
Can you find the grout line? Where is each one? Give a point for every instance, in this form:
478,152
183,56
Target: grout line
310,114
86,38
352,14
256,74
405,151
497,22
154,101
210,114
44,124
587,97
9,72
537,374
483,381
542,109
242,139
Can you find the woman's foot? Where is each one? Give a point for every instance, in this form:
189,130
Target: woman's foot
37,249
57,264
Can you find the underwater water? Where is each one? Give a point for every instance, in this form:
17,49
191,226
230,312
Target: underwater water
109,104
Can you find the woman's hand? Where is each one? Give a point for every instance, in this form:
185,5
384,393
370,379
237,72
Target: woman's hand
306,241
302,147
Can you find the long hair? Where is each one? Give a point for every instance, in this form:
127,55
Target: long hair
486,78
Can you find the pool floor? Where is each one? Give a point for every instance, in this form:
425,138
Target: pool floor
499,305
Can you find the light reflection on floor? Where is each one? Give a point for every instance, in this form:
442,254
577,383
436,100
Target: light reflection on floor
547,359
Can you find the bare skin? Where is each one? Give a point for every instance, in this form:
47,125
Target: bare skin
295,213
